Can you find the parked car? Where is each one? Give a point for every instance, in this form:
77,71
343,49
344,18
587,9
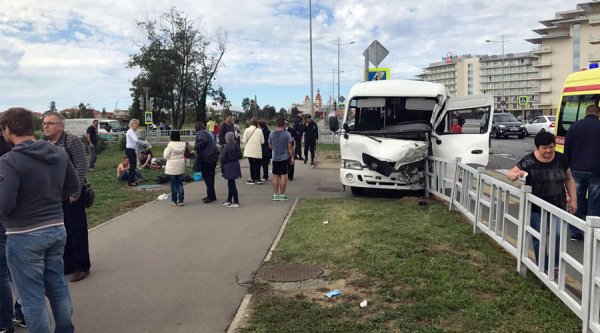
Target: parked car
505,125
540,124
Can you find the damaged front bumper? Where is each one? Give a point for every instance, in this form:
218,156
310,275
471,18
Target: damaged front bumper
407,177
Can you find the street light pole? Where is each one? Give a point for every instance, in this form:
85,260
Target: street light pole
501,66
311,55
338,64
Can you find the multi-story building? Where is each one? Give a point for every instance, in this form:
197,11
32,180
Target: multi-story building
567,43
506,78
509,78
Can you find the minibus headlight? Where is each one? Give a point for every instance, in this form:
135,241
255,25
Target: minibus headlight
350,164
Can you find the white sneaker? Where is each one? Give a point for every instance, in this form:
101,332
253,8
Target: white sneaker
234,205
226,203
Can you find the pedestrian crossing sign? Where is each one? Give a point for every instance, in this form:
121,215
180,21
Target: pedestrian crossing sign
523,100
148,118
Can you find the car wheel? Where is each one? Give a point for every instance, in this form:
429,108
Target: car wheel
543,130
526,132
522,136
357,190
494,133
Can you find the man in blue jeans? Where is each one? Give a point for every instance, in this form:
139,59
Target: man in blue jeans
35,176
582,150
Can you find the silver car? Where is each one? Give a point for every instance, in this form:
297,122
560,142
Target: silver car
539,124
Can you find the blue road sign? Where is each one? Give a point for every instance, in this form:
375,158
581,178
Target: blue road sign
148,118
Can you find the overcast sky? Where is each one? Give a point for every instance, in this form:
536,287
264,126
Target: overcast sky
72,51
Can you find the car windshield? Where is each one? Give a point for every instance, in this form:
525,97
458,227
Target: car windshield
378,113
505,118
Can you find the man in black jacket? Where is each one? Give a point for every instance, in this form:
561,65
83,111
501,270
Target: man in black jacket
583,154
298,126
77,254
311,138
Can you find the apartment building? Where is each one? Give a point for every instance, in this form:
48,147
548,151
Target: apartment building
567,43
506,78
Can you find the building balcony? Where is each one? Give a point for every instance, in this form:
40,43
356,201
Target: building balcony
546,76
545,63
594,39
594,19
542,90
540,50
543,103
539,40
594,57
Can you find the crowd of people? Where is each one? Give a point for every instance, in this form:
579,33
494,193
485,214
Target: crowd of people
44,230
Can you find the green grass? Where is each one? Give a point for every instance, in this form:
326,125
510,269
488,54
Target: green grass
328,148
114,198
420,268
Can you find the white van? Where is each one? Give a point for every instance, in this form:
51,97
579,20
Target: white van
390,127
79,126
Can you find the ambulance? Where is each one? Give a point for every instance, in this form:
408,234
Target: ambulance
581,89
389,128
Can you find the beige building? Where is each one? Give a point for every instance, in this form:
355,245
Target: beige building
505,80
567,43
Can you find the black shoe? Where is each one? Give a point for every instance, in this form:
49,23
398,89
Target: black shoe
132,184
7,330
209,200
205,198
291,179
305,161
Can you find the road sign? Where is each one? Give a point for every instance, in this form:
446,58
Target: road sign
503,105
523,100
376,53
148,118
378,74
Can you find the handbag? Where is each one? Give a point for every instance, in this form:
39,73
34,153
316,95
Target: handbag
88,195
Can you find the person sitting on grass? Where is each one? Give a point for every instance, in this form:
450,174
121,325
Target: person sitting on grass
145,157
123,171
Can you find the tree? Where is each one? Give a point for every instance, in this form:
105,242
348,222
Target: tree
175,64
268,112
103,113
85,111
282,113
52,108
295,111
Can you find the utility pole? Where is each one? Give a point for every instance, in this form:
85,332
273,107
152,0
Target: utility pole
311,54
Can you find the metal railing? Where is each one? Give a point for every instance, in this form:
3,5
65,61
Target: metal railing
504,212
327,136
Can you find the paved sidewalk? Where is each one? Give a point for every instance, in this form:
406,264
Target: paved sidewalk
173,269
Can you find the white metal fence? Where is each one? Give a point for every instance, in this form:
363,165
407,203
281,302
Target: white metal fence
504,213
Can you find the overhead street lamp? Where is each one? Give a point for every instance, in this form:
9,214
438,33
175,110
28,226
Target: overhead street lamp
502,40
338,65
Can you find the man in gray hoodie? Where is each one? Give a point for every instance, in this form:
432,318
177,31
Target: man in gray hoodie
35,177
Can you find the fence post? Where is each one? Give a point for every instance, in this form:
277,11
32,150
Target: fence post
521,234
589,305
480,171
453,190
426,174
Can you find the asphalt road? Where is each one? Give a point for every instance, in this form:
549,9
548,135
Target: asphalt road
505,153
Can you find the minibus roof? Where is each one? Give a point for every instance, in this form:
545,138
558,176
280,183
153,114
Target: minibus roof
398,88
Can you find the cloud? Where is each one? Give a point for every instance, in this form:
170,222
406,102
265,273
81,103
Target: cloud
75,50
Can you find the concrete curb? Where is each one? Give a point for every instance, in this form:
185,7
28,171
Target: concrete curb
239,314
285,222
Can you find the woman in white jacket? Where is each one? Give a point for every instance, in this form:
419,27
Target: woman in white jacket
175,168
253,139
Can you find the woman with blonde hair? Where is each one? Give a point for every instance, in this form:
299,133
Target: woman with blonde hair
131,140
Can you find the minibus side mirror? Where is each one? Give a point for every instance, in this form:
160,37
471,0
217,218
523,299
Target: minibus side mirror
334,124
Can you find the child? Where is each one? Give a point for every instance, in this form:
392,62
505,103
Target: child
175,155
123,171
230,165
